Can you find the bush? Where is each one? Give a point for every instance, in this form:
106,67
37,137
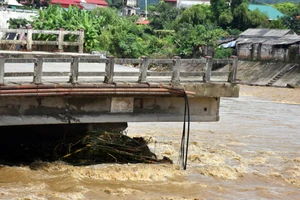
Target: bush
223,52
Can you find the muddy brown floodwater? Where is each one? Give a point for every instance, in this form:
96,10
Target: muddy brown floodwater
251,153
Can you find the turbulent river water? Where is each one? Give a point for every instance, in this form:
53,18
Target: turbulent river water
251,153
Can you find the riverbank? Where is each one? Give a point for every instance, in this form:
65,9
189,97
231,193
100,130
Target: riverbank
272,73
275,94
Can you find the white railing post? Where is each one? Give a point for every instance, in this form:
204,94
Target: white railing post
176,70
2,63
74,70
143,70
60,40
207,69
233,69
38,70
29,39
109,70
80,40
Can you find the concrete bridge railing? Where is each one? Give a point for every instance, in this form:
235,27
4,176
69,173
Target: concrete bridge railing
175,76
25,37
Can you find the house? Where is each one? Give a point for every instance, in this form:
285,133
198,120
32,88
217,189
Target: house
82,4
130,8
12,3
270,11
268,44
92,4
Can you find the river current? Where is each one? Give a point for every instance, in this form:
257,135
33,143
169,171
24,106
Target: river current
251,153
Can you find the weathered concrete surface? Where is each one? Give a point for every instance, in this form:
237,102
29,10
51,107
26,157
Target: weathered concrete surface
213,89
33,54
100,109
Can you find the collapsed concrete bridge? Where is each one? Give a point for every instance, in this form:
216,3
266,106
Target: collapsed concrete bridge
90,91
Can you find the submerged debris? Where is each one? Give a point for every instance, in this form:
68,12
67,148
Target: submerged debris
104,147
85,148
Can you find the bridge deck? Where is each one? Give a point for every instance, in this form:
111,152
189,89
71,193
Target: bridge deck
50,90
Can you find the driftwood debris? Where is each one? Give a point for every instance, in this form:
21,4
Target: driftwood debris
106,147
88,148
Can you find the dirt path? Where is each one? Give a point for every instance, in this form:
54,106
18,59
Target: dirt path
281,95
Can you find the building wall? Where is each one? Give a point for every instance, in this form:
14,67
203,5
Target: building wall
244,51
263,52
266,52
280,54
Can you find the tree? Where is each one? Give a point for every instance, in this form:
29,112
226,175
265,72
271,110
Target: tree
125,39
118,4
217,7
225,18
189,38
276,24
240,17
292,21
196,14
243,18
55,17
236,3
285,7
257,19
163,15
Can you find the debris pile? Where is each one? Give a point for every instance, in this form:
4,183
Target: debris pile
106,147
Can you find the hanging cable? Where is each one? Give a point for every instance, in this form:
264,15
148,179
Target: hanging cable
185,135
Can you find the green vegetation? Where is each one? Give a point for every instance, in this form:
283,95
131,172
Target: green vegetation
172,31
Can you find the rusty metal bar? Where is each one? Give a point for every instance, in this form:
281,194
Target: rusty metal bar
104,85
85,94
124,90
93,91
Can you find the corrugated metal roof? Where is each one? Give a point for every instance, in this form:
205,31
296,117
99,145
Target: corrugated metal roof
270,11
265,32
98,2
287,39
250,40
